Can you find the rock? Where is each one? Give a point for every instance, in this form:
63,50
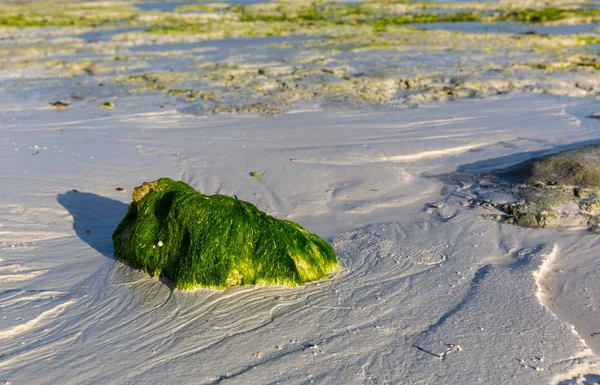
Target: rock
590,206
196,240
555,190
59,105
579,167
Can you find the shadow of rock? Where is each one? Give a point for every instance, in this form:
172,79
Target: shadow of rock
587,379
513,168
94,218
519,158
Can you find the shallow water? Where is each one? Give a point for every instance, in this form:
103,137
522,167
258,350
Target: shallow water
593,47
107,34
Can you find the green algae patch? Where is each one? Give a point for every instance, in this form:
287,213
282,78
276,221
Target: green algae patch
196,240
107,105
419,18
569,64
284,18
317,71
551,14
48,14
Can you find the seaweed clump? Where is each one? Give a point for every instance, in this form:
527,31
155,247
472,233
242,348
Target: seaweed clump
196,240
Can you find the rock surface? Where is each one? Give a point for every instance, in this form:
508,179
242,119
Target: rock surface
578,167
558,190
196,240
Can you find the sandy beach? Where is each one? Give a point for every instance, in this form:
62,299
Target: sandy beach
364,143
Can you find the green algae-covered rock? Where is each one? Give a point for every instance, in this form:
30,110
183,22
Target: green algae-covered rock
197,240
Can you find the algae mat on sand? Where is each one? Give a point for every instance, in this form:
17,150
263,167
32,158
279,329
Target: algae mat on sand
196,240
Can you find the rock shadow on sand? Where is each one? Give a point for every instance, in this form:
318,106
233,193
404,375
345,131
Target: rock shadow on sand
94,218
587,379
518,159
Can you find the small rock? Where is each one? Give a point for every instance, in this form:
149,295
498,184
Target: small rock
59,105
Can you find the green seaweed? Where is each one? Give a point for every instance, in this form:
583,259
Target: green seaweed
279,17
267,88
47,14
284,18
107,105
196,240
545,15
421,18
573,63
